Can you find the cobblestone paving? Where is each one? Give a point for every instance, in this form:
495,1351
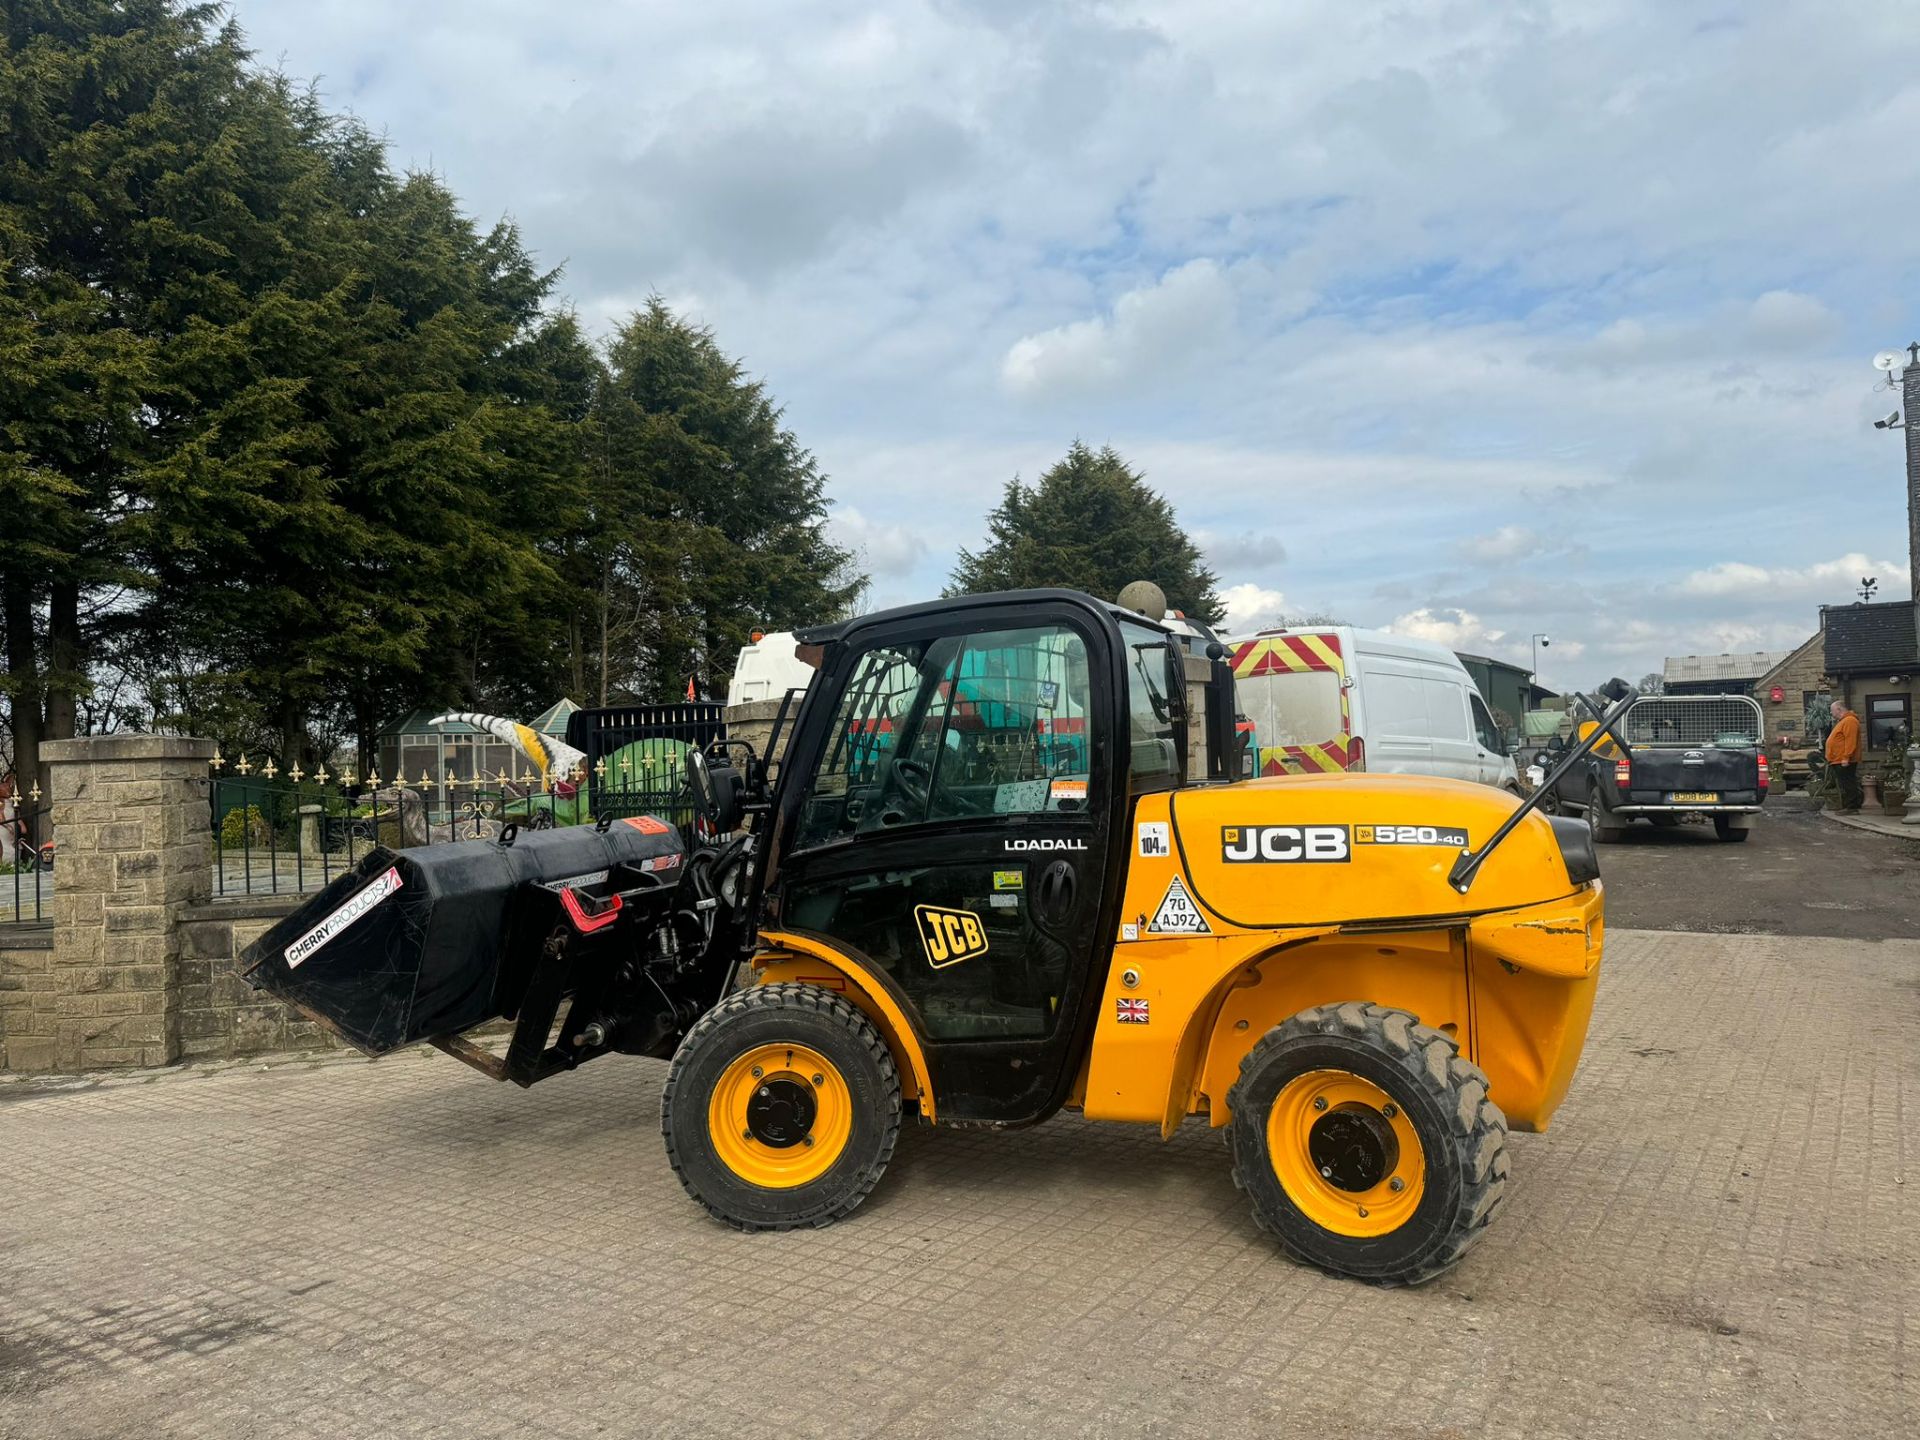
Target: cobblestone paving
1715,1240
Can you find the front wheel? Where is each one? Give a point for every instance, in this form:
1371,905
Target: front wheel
781,1108
1367,1145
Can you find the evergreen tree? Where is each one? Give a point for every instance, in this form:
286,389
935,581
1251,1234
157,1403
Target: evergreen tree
706,516
1091,523
289,445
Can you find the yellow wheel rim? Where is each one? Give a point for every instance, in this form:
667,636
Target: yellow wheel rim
1346,1154
780,1116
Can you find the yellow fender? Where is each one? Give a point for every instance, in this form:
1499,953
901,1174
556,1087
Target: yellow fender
808,960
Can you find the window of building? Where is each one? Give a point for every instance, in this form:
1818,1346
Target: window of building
1887,715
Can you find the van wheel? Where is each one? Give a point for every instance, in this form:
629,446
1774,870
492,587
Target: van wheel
1367,1145
781,1108
1725,829
1606,828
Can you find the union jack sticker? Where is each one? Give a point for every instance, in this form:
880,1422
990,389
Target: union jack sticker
1130,1012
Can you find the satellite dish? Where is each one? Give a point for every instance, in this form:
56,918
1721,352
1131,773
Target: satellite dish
1143,597
1889,360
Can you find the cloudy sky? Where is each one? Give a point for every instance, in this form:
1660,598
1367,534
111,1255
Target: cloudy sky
1469,320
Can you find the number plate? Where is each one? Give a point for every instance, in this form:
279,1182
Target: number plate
1694,797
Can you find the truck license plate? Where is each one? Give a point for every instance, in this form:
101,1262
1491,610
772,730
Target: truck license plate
1694,797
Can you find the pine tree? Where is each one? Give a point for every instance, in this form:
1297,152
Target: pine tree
1090,523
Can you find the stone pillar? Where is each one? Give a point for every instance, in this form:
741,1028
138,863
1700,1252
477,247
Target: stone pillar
753,722
130,815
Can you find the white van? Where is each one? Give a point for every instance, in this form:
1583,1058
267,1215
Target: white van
768,667
1341,698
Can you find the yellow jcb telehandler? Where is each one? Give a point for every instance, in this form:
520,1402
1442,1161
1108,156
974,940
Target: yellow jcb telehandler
983,886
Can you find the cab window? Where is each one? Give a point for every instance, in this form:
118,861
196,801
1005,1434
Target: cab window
1153,752
990,723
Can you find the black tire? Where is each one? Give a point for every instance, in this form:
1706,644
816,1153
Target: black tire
1732,834
1462,1133
1606,827
773,1015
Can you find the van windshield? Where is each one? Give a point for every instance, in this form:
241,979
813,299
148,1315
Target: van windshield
1300,707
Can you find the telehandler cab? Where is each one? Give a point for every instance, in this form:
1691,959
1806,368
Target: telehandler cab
982,887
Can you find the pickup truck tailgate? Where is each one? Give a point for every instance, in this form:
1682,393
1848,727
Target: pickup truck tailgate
1659,776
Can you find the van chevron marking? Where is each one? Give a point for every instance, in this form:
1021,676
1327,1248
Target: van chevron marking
356,908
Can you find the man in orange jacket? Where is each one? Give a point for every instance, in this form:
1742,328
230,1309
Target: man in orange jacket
1843,756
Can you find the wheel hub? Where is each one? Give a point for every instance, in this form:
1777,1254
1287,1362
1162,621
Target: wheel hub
780,1113
1353,1147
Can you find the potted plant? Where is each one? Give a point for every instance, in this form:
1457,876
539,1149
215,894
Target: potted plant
1894,774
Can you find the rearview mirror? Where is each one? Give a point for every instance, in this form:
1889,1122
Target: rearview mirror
716,792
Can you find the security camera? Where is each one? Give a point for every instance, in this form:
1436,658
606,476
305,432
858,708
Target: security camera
1888,423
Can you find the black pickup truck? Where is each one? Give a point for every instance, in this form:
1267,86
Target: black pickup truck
1683,755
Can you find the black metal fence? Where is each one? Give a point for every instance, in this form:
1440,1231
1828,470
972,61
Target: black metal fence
276,832
27,866
637,757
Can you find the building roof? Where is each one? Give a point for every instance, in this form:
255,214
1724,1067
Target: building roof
1716,669
553,720
419,722
1871,637
1491,663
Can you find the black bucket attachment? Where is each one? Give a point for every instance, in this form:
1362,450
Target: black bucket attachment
420,944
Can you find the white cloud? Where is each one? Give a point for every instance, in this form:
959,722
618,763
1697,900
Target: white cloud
1509,542
1252,607
884,550
1155,327
1834,581
1455,629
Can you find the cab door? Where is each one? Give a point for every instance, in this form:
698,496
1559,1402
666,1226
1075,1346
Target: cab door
946,820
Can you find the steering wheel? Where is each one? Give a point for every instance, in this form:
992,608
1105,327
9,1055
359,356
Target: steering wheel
914,780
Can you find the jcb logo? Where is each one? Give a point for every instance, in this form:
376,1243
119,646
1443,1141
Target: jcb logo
949,936
1279,844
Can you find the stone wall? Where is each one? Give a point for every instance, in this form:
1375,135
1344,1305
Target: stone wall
220,1014
1803,670
29,1001
138,965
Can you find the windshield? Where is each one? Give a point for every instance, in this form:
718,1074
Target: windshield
1300,707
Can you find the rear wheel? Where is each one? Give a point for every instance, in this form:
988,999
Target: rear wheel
1367,1145
781,1108
1725,827
1606,826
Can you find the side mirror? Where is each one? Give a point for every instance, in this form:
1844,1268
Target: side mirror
716,792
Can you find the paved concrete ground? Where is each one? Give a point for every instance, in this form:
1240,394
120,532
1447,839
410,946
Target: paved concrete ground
1717,1238
1799,874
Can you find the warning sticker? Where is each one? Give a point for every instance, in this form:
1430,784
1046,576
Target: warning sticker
1154,844
356,908
1178,915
